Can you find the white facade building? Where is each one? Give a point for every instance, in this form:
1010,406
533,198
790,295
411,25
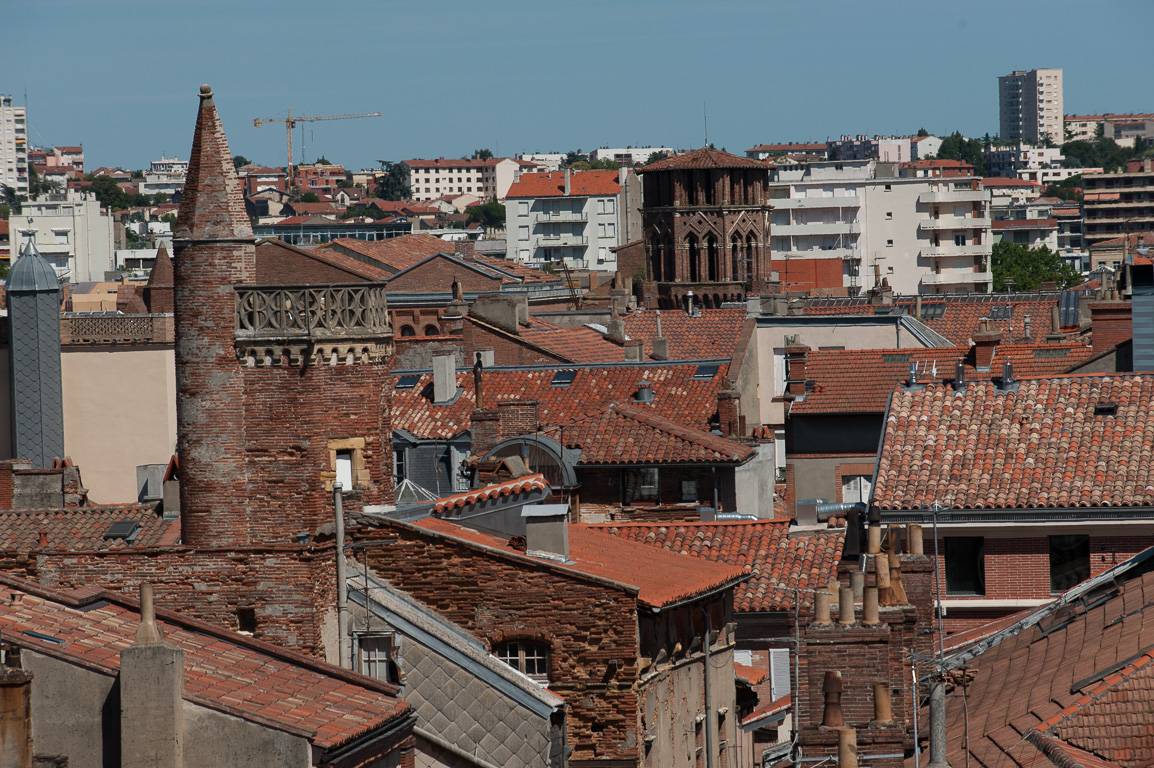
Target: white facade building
72,232
1030,106
628,155
491,179
888,149
1007,161
165,176
545,161
924,147
13,147
575,217
923,235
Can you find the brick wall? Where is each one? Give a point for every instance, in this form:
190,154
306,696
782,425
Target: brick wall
1110,324
277,265
291,589
507,350
586,626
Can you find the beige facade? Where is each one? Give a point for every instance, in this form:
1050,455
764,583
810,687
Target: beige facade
72,232
1030,106
489,179
13,147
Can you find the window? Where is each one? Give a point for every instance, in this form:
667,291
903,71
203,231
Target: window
376,658
856,488
522,207
523,233
639,485
529,658
689,490
888,188
345,469
965,565
399,471
1069,561
61,236
889,215
889,243
959,239
246,620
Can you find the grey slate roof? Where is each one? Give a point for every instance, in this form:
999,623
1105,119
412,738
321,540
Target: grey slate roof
32,272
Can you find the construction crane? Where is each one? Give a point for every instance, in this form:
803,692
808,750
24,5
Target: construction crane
291,121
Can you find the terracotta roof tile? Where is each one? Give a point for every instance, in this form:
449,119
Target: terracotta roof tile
1025,224
220,667
397,253
779,564
751,675
678,395
83,528
715,334
508,488
630,435
860,381
659,578
704,158
1045,446
552,184
578,345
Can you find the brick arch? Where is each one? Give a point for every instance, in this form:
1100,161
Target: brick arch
530,634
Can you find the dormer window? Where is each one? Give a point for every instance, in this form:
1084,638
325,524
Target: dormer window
526,657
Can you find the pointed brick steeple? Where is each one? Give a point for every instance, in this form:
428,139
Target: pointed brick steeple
158,293
212,206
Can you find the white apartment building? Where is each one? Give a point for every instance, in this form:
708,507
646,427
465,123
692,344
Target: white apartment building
545,161
574,217
628,155
165,175
1030,106
888,149
13,146
922,234
924,147
72,232
430,179
1007,161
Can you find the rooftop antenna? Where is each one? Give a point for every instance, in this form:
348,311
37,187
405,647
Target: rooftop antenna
705,117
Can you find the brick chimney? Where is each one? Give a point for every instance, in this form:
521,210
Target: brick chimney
158,291
151,695
1110,323
986,341
795,361
729,412
466,249
16,708
517,417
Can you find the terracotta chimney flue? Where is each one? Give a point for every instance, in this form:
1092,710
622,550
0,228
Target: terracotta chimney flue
870,607
847,747
831,716
845,615
883,712
821,608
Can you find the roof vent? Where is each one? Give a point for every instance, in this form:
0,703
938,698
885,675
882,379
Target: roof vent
1106,409
644,392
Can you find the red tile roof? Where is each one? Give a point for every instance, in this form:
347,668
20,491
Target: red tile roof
1074,681
508,488
83,528
1041,447
626,434
579,344
860,381
779,564
677,396
268,249
703,159
521,272
716,333
397,252
751,675
963,315
774,707
659,578
552,184
221,668
1025,224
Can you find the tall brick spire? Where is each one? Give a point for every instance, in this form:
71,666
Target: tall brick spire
212,207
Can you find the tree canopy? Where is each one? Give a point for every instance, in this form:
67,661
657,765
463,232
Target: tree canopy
1029,267
482,154
490,214
310,197
1066,189
111,196
239,161
1101,153
391,184
957,147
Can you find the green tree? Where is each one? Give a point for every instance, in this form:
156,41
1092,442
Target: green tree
159,198
391,184
239,161
923,132
482,154
655,157
322,160
1101,153
112,197
491,214
310,197
1066,189
369,211
1029,267
957,147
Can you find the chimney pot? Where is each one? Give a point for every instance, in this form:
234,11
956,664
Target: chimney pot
870,607
644,392
831,715
883,711
821,608
845,615
857,584
148,632
847,747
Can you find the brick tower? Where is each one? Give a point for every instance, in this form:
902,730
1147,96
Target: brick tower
705,222
279,389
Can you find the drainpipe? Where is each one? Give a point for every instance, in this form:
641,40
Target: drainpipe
342,587
708,701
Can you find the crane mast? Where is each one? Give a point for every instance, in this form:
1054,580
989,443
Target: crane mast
290,122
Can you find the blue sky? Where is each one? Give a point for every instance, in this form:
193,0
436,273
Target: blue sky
449,77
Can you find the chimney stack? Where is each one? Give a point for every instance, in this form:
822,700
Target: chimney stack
831,715
883,711
547,531
151,696
568,182
16,716
986,341
444,376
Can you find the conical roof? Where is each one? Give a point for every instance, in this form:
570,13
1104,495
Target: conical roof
701,159
32,272
212,206
161,274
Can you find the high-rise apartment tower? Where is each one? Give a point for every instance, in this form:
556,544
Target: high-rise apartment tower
1030,106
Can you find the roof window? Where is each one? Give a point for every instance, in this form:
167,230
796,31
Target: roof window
407,382
1000,313
933,311
126,530
563,378
706,372
1106,409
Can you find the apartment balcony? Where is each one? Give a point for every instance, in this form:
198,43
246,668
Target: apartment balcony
957,277
955,251
953,222
845,254
562,241
840,228
566,217
810,203
954,196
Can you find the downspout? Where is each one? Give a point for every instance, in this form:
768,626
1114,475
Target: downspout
708,701
342,587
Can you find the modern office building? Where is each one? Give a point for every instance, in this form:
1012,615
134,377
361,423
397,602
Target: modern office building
1030,106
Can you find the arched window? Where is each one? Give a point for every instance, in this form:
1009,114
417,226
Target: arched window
694,267
526,657
432,330
408,330
713,259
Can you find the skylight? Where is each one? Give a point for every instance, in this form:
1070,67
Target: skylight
122,529
563,378
705,371
407,382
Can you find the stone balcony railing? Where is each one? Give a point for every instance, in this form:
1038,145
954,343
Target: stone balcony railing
115,328
314,324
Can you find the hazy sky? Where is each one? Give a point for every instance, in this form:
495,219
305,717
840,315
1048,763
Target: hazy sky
121,76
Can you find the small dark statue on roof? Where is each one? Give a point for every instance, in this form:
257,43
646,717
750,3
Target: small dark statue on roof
477,384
